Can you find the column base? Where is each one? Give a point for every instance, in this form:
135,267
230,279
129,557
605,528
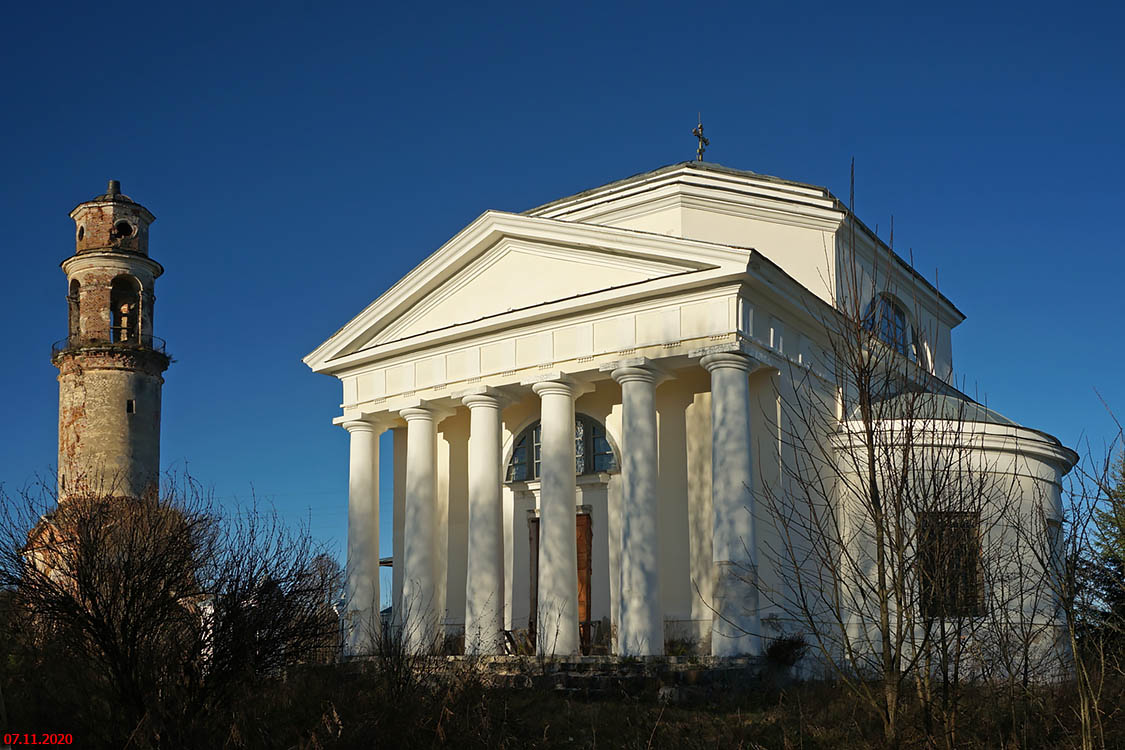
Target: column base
736,628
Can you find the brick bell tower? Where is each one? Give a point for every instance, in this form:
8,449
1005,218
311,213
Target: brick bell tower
110,364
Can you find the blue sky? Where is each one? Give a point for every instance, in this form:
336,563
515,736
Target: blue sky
302,158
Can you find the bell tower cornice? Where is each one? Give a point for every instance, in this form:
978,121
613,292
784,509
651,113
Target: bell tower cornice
125,262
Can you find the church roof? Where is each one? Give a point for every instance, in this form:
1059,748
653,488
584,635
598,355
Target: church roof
807,189
704,166
955,407
947,404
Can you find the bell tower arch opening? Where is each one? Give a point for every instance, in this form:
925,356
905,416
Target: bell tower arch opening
125,310
74,310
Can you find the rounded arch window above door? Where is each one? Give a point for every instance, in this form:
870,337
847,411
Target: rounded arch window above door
888,320
592,451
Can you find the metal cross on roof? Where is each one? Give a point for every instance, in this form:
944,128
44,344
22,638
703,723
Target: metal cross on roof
703,142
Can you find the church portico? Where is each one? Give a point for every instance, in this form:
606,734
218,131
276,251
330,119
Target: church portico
557,455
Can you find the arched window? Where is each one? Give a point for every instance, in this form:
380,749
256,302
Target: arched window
888,320
592,451
74,327
125,309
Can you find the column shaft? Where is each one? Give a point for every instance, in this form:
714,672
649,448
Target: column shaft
419,616
362,577
484,581
642,617
557,624
735,625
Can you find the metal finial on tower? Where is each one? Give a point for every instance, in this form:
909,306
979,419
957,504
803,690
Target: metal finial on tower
703,142
114,188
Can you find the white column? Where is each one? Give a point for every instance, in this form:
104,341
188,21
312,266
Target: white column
484,580
362,594
419,614
557,624
642,616
735,626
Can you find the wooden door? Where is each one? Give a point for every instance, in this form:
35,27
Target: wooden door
584,540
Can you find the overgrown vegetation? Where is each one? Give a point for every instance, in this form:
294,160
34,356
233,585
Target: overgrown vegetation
383,704
150,621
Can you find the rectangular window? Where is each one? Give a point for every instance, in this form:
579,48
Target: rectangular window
949,564
130,406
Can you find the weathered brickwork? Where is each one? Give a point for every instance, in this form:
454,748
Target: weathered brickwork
110,364
111,222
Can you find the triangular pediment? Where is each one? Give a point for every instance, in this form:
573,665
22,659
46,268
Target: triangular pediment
503,263
518,274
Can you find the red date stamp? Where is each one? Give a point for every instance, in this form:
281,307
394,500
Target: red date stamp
38,738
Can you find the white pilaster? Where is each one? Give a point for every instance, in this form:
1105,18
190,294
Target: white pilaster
735,626
642,618
484,581
419,616
557,624
362,594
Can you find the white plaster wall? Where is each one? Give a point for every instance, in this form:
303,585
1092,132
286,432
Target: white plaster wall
660,217
803,252
1019,474
672,400
875,272
697,417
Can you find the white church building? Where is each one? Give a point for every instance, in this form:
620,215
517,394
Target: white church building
583,400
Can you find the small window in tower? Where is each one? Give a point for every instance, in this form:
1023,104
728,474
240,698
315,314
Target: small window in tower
123,229
81,233
130,406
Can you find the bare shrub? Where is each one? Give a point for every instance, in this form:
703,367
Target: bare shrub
161,606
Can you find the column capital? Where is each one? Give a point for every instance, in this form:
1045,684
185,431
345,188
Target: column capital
435,411
637,374
634,369
362,425
414,413
729,360
483,396
561,387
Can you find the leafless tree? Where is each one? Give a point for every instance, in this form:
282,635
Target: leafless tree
1088,559
893,528
167,604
